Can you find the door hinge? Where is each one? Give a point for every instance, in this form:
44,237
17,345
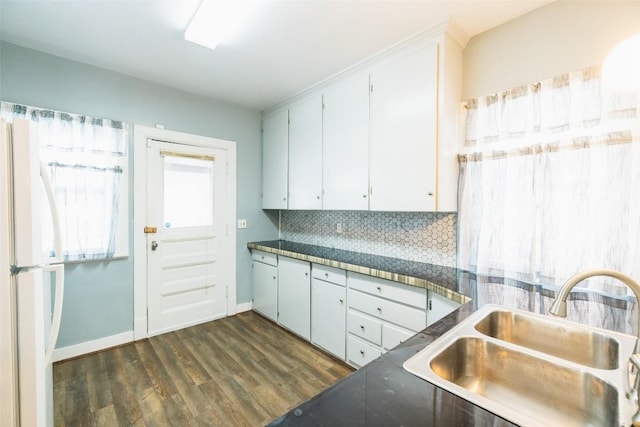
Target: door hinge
371,88
430,305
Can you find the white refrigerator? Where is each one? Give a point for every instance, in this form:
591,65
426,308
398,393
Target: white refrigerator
32,280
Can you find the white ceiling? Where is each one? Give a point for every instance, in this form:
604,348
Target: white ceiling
289,46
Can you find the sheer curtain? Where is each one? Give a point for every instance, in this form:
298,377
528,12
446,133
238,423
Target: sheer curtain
549,186
87,159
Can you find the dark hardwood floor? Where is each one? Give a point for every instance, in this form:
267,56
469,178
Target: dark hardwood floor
238,371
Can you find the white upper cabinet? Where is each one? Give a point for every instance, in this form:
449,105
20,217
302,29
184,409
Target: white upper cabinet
305,154
403,144
387,138
345,148
275,159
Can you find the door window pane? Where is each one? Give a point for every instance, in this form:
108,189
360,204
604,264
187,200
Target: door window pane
188,192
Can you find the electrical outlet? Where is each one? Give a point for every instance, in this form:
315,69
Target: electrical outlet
339,227
242,223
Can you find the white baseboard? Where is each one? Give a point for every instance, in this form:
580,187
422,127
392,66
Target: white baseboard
244,306
114,340
91,346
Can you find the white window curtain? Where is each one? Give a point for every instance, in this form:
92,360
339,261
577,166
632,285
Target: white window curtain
549,187
87,158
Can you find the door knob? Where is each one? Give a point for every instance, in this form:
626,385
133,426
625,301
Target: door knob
154,245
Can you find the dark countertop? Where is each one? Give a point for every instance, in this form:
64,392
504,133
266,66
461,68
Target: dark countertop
382,393
437,278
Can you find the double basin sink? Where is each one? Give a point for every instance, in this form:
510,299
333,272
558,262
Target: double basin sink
532,370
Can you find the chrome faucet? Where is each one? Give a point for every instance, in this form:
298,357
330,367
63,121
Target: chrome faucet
559,308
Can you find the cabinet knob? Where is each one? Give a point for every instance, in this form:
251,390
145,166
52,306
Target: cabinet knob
341,301
362,327
364,196
430,194
326,275
379,289
274,277
380,309
362,352
284,199
306,274
318,197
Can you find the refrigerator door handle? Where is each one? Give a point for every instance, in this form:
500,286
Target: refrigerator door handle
55,216
58,269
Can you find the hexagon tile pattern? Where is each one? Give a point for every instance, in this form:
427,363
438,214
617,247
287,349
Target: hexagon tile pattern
416,236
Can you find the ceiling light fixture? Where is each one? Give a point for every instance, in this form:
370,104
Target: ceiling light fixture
217,21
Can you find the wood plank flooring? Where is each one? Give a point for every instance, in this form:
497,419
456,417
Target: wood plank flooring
239,371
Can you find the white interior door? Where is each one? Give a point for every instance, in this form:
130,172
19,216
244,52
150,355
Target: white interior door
189,262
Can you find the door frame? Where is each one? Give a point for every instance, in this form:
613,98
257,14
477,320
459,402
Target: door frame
140,136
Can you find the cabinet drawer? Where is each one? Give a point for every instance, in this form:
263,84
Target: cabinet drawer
266,257
329,274
408,317
399,292
392,336
364,327
360,353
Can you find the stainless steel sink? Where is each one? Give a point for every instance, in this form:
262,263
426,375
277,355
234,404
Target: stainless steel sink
562,339
521,367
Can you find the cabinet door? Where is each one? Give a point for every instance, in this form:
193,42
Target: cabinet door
439,307
265,290
345,145
294,296
275,159
403,132
328,311
305,154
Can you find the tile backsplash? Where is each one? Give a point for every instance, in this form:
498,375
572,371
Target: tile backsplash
416,236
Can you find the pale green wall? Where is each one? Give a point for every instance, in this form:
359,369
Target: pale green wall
99,296
564,36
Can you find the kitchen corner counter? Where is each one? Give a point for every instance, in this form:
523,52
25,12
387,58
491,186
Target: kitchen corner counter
383,393
436,278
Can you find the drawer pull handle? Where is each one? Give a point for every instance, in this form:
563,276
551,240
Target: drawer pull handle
362,352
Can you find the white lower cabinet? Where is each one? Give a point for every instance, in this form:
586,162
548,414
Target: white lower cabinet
439,307
381,315
328,309
265,284
393,336
359,353
350,315
294,296
365,327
